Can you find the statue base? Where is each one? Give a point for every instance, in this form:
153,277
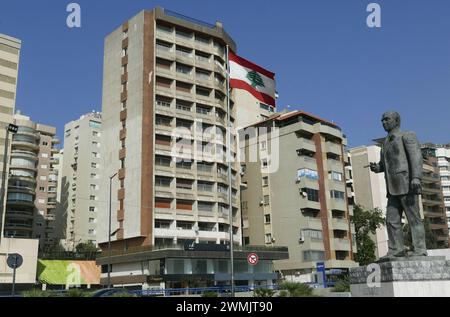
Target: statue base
427,276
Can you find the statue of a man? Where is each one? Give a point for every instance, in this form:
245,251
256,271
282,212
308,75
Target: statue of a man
401,162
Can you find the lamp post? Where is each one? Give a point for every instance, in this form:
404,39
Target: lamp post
13,129
109,230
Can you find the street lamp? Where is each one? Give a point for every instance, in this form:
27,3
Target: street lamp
109,230
13,129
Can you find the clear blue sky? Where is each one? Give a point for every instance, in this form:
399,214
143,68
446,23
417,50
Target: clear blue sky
326,60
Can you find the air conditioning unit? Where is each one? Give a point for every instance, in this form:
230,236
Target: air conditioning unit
301,240
261,202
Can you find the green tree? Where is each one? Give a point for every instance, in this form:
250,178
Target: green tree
263,292
366,222
87,250
430,236
255,79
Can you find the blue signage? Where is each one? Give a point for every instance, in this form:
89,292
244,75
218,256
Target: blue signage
320,266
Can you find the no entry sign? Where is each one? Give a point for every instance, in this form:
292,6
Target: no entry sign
252,259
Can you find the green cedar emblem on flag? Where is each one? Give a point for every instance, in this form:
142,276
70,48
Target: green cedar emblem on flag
255,78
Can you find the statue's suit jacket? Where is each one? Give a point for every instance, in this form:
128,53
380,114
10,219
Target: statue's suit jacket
401,161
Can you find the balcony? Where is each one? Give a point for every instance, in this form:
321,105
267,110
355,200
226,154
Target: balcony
341,244
313,223
338,204
19,214
333,148
123,134
123,114
335,165
340,224
307,145
308,162
309,204
325,129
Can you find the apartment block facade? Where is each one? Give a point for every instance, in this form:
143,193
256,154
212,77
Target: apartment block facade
9,70
80,188
295,192
32,185
443,156
164,96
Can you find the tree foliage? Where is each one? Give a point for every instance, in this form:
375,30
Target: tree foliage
430,236
366,223
290,289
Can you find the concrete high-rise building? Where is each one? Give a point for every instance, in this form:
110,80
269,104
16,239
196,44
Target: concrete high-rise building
9,68
172,75
432,195
164,120
81,170
370,189
443,155
296,193
32,185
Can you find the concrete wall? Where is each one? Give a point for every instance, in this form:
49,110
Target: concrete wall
28,248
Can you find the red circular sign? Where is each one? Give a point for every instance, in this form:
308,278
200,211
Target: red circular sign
252,259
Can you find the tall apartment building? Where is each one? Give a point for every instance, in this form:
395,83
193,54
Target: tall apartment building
32,185
81,170
370,189
443,155
164,101
9,67
296,193
432,196
164,79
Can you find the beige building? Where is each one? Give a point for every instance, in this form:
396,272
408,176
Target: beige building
32,185
9,67
80,180
370,188
26,274
296,193
167,75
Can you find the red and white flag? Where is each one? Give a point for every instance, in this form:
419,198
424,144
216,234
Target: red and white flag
253,78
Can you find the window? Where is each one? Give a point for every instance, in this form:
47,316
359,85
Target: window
93,187
45,143
162,181
184,165
205,186
205,206
92,209
446,188
42,189
313,234
266,199
41,201
311,194
43,178
95,133
94,165
95,143
265,180
313,255
267,218
92,197
95,124
268,237
337,194
223,209
185,225
163,101
162,160
184,205
163,140
203,110
308,173
445,178
93,175
67,134
264,106
184,183
162,224
263,145
183,105
222,188
95,155
336,176
163,203
202,74
44,166
203,91
183,69
44,155
91,220
91,231
162,120
204,167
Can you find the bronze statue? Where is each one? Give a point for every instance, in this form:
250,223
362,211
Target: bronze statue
401,162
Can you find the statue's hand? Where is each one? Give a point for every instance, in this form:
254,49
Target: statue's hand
375,167
416,185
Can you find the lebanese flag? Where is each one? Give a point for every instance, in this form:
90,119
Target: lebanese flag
253,78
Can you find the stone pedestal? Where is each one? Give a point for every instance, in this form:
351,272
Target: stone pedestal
402,277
